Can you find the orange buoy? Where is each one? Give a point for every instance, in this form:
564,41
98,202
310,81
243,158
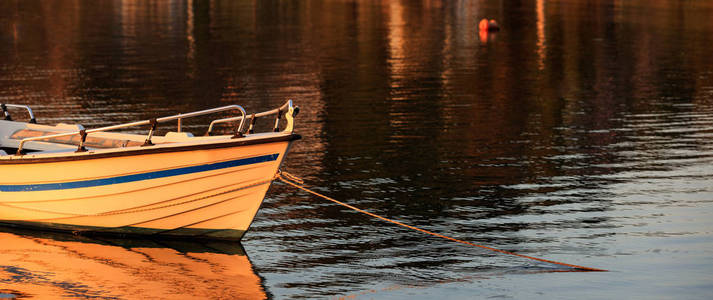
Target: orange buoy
483,25
491,25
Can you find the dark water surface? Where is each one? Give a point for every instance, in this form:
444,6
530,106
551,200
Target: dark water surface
581,132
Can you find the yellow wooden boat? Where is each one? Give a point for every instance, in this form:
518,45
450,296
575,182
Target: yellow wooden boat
66,177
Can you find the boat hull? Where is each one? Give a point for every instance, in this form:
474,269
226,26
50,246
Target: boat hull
208,190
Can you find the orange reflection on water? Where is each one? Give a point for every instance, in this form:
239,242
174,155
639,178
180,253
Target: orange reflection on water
73,267
541,47
486,36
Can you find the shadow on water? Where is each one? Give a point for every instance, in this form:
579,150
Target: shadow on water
50,264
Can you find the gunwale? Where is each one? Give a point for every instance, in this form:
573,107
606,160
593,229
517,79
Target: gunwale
139,150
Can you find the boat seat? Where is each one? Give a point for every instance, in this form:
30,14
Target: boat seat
91,141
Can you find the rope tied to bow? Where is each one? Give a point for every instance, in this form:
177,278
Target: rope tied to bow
298,183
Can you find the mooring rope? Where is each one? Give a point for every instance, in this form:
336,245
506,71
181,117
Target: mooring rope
292,180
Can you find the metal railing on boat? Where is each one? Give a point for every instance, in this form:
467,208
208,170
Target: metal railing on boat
253,117
6,113
179,117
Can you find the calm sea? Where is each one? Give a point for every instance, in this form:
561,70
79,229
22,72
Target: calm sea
581,132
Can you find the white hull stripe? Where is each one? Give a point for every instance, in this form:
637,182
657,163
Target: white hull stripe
138,177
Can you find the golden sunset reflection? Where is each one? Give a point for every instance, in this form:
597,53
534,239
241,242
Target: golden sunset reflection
541,46
67,266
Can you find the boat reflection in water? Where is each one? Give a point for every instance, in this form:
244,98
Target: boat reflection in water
42,264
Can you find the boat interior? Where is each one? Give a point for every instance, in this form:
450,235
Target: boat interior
19,138
12,133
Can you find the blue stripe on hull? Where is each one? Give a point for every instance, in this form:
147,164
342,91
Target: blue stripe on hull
138,177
